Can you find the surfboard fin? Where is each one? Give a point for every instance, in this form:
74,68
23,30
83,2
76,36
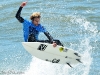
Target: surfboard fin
77,54
79,60
69,65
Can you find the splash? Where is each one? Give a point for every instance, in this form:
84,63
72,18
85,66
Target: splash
40,67
88,32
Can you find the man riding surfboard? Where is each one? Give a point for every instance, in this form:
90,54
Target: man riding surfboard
31,29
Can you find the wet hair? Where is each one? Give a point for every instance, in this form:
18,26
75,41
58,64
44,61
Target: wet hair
35,15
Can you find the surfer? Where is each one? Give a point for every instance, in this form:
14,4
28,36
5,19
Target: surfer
32,28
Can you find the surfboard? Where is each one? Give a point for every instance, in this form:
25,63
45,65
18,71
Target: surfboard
47,52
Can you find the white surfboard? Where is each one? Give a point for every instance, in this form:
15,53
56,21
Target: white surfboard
47,52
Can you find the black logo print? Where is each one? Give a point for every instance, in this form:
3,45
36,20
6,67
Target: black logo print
42,47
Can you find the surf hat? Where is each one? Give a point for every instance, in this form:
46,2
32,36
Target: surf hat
35,15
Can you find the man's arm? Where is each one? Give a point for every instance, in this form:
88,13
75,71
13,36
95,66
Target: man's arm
49,37
20,19
55,42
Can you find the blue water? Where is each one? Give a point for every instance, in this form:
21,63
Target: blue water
75,23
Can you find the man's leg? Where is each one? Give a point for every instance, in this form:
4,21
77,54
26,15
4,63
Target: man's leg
43,41
47,41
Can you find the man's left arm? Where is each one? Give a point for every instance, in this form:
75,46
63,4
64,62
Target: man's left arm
42,29
49,36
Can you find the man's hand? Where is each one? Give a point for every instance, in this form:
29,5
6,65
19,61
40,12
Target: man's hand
54,44
23,4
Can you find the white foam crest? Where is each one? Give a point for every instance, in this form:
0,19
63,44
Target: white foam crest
81,21
86,24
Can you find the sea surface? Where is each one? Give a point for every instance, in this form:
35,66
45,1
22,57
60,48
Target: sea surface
76,23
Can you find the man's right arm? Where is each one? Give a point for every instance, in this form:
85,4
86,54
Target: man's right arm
19,12
20,19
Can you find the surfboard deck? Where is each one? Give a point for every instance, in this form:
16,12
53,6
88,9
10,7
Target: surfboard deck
47,52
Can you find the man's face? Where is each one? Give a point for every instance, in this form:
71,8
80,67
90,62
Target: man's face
36,21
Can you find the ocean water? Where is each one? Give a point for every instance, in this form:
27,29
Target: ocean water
74,22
